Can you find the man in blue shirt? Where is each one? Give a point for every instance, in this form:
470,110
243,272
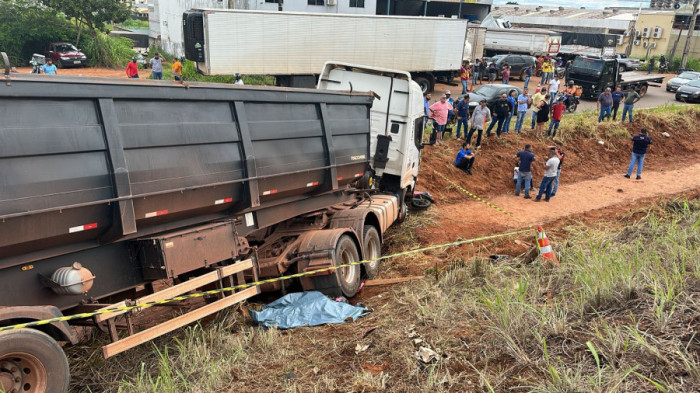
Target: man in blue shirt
465,159
640,143
49,68
522,110
528,74
617,96
524,171
463,115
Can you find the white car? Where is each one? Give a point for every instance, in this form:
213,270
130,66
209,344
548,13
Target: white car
684,78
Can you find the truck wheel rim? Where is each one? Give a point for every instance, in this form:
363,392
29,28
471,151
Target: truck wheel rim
347,273
373,251
23,372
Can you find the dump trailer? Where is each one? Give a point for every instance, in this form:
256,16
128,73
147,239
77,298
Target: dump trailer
532,42
294,46
115,193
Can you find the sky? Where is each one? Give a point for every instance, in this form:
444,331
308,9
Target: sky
589,4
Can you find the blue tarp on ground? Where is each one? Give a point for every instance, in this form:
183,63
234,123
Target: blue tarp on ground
306,309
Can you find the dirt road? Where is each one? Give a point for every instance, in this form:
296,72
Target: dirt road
571,199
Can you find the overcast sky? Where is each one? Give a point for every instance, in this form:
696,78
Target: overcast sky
578,3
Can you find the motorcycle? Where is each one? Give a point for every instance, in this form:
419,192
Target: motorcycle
663,68
36,62
571,102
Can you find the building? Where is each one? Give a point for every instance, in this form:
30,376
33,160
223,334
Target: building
652,37
473,10
679,33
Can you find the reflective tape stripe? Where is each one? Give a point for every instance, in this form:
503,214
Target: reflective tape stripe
359,174
158,213
82,228
270,192
545,249
315,183
340,178
222,201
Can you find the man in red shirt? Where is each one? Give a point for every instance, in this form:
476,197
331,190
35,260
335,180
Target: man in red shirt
557,111
132,69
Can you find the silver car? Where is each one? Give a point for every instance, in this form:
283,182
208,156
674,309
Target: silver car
674,83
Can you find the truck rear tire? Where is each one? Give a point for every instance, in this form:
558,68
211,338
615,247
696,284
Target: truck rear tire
643,90
30,360
424,83
344,281
373,250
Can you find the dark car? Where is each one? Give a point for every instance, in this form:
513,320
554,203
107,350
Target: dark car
491,93
517,64
65,54
685,77
690,92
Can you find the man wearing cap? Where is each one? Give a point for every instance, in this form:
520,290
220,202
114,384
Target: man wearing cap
132,69
480,116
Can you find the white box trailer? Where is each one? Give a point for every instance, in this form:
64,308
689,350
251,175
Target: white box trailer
294,46
528,41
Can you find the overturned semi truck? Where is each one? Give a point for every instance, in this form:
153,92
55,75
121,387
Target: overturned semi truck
107,187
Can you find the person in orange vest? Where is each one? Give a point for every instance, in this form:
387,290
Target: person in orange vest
176,70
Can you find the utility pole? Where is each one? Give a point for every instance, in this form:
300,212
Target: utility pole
691,31
633,33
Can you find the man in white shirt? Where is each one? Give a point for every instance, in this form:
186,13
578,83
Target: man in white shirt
553,89
550,173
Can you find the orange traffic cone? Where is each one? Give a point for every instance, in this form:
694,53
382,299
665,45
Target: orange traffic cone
545,248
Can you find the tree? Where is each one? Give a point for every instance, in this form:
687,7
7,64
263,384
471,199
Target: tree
93,14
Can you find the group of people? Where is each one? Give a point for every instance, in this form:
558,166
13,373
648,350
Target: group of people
609,102
522,173
156,63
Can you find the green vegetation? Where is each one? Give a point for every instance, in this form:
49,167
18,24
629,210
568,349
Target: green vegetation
616,316
135,24
673,65
108,51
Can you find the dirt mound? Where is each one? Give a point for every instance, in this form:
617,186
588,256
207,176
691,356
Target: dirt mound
586,159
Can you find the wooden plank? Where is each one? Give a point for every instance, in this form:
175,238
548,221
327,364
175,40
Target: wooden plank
185,319
179,289
388,281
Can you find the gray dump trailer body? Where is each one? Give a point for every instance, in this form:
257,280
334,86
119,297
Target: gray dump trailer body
91,170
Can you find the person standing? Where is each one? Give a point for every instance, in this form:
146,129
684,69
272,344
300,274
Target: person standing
617,96
526,158
631,98
546,71
528,75
492,72
132,69
463,116
557,111
567,71
465,158
49,68
542,115
476,69
238,80
640,143
501,109
559,149
505,74
464,76
176,70
550,173
539,96
157,67
480,116
440,110
554,89
426,104
513,108
651,65
604,104
523,99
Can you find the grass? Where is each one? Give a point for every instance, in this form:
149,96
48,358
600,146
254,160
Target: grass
619,315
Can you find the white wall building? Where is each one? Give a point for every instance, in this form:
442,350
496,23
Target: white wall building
165,16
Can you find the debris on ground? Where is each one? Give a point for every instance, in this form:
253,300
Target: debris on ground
306,309
666,134
389,281
427,355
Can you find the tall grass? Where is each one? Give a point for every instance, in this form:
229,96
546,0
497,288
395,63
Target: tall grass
107,51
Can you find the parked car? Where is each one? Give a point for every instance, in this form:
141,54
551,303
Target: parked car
491,93
517,64
684,78
627,63
690,92
65,54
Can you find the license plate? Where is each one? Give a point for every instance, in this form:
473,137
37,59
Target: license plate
76,62
684,95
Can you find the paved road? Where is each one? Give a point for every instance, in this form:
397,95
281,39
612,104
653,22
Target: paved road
655,96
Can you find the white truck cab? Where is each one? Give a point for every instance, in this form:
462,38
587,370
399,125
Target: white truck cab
397,117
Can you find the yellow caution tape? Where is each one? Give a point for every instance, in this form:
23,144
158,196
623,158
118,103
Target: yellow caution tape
253,284
500,209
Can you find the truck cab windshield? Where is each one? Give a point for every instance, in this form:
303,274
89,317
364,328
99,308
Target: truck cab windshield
588,66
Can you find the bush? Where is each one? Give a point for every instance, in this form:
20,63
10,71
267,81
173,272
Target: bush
692,63
111,52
